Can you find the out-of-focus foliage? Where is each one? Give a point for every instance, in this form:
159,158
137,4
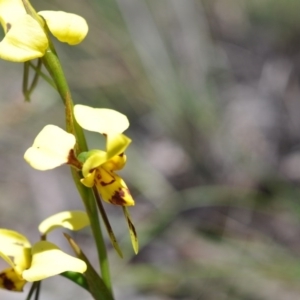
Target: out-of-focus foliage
211,89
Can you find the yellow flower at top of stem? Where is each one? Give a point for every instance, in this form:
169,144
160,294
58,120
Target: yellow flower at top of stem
26,39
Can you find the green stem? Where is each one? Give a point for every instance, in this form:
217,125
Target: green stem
32,290
44,76
40,73
53,65
90,207
38,289
25,81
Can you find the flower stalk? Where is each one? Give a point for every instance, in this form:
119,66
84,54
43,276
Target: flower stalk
52,63
27,37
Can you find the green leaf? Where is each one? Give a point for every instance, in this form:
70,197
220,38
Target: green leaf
96,285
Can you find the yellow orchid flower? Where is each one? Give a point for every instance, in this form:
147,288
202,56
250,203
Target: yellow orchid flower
25,38
32,263
53,147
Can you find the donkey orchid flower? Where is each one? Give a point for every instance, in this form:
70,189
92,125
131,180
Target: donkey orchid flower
32,263
54,146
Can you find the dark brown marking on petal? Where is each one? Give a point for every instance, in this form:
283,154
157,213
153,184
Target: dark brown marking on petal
7,283
104,134
117,198
107,183
121,155
8,26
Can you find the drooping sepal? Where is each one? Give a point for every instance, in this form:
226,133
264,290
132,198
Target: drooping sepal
132,231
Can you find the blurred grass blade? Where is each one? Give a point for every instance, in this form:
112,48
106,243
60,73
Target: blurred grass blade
132,231
96,285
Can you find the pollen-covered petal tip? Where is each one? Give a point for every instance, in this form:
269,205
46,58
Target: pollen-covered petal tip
25,40
102,120
73,220
66,27
48,260
50,148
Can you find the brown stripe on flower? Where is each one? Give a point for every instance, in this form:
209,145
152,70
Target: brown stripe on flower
7,283
107,183
118,198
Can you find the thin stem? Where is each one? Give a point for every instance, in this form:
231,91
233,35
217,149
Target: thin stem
52,64
38,289
32,290
103,256
28,91
44,76
25,81
36,76
91,209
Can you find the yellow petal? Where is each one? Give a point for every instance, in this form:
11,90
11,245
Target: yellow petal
10,11
50,148
15,249
88,181
112,188
48,260
116,144
66,27
97,159
10,239
11,281
115,163
25,40
102,120
73,220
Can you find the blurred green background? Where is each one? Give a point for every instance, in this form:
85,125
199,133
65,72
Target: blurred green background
212,92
